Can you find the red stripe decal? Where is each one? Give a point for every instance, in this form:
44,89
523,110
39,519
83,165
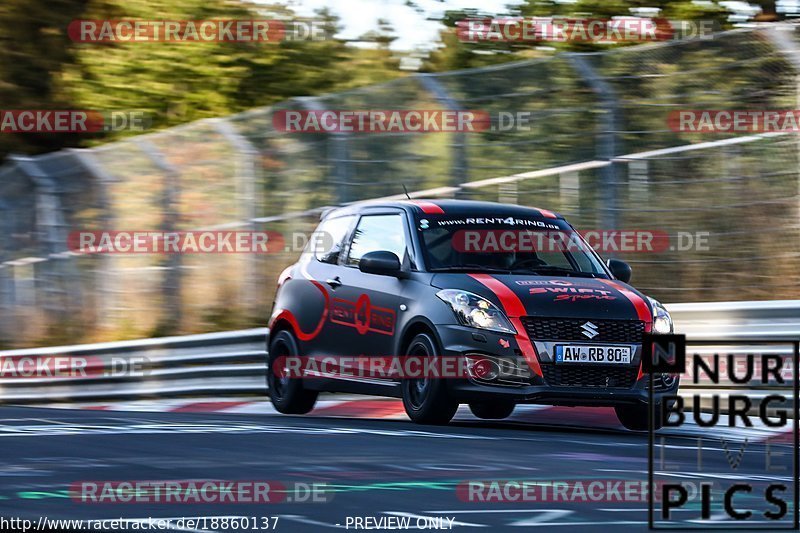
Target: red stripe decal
642,310
514,309
642,307
289,317
429,208
511,302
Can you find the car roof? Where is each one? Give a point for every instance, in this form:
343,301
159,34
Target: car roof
437,206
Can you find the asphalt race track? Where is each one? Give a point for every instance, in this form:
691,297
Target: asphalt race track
374,467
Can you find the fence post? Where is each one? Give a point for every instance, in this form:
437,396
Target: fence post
459,167
6,305
106,303
777,35
338,153
171,284
50,226
245,168
606,138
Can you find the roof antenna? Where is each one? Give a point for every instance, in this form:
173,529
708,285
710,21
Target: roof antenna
405,190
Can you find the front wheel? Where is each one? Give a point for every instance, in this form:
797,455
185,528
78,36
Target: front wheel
426,400
492,411
286,394
634,417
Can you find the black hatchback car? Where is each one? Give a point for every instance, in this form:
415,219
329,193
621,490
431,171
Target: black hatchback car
515,293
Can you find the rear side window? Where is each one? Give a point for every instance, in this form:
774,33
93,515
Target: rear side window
327,240
375,233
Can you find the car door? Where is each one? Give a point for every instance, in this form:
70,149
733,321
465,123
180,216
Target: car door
366,306
323,270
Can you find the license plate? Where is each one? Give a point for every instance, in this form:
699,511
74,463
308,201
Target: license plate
609,355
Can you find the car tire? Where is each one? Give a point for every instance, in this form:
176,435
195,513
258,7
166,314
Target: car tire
635,417
287,395
493,410
426,401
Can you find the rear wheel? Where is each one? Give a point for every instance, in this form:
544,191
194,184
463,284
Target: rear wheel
492,411
634,417
426,400
286,394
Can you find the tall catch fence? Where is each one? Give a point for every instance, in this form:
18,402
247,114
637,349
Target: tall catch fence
596,147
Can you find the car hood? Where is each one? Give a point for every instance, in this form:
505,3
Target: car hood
553,296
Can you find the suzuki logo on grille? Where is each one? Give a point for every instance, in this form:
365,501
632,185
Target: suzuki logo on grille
590,330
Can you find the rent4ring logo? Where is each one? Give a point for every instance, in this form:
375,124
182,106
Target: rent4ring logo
733,463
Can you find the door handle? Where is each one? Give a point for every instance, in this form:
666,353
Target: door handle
334,282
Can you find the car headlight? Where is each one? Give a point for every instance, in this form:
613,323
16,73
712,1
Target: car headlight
475,311
662,322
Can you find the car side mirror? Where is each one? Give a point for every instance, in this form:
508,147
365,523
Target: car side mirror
382,262
621,270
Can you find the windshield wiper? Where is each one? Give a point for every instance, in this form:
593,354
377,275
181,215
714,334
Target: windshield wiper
555,270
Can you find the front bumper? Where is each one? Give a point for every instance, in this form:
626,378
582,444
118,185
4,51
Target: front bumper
468,391
587,385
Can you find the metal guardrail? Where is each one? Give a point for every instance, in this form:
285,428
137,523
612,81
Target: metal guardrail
233,362
774,319
224,364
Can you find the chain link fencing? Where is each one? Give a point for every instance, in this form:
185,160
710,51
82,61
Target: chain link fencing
596,147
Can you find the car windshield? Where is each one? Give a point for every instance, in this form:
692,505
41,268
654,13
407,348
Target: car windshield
509,244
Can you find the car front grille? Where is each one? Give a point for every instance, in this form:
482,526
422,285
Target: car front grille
570,329
590,376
